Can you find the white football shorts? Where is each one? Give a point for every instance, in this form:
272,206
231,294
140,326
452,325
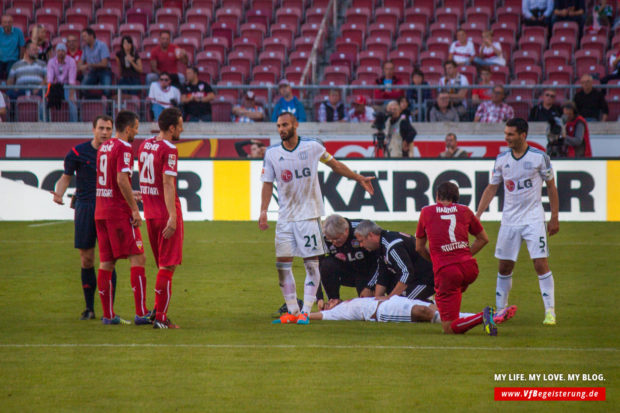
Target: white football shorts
299,239
510,237
397,309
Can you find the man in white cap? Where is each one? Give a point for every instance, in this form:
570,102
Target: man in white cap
249,111
288,103
62,69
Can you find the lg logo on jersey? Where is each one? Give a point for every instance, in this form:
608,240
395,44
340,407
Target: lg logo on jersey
510,185
287,175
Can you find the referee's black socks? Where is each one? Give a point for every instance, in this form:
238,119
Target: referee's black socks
89,285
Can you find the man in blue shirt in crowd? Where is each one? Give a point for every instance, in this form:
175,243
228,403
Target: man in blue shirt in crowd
11,45
95,63
82,161
288,103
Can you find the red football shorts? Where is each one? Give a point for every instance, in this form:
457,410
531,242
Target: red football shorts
167,252
117,239
451,282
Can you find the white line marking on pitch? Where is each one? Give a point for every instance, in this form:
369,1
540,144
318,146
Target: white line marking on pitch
45,224
311,346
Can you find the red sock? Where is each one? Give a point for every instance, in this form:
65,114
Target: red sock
461,325
106,292
163,290
138,285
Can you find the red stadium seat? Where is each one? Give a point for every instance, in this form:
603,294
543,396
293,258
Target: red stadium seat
229,15
90,109
440,44
455,4
68,29
299,58
108,16
275,60
222,29
189,44
257,30
388,15
403,72
169,15
478,14
381,30
139,15
289,15
338,74
342,59
564,43
265,74
499,74
379,45
597,71
369,73
364,92
504,29
310,29
358,15
149,43
245,45
442,30
27,108
306,43
525,57
534,31
448,15
402,57
261,16
221,106
199,15
193,29
418,15
354,31
510,15
412,30
135,30
371,58
395,4
565,28
48,15
156,29
432,58
525,92
212,60
241,60
587,57
409,44
21,16
432,74
525,72
555,57
78,15
594,43
284,30
227,94
561,94
469,72
276,44
533,43
520,106
104,31
233,74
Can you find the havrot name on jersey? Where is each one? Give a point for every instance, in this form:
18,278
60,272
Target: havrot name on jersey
113,157
156,158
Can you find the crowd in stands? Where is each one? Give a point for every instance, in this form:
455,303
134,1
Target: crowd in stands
178,52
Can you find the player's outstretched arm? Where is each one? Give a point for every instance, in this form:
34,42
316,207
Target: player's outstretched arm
61,188
487,196
342,169
124,184
554,202
169,198
265,198
481,240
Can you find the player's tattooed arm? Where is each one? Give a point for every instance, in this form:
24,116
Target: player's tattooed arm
342,169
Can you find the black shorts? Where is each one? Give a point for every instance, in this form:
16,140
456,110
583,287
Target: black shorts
85,231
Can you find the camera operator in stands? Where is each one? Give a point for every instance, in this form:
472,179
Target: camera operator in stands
400,133
576,134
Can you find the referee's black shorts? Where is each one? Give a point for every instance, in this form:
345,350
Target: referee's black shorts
85,231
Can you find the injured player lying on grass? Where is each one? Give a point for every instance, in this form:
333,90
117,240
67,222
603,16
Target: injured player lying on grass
395,309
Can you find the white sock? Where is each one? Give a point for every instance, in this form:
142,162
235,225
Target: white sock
547,290
464,315
287,285
311,285
436,318
504,284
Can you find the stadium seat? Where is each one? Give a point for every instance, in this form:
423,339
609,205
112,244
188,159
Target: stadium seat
189,44
510,15
265,73
532,43
223,29
260,16
613,103
504,30
356,32
598,43
90,109
562,73
419,14
439,44
371,58
104,31
412,30
564,43
138,15
211,60
310,29
289,15
597,71
402,57
565,28
199,16
342,59
108,16
409,44
233,74
261,93
114,4
442,30
358,15
193,29
68,29
478,14
525,92
298,58
229,15
257,30
500,74
381,30
27,108
524,72
388,15
369,73
78,15
306,43
275,60
156,29
221,106
432,58
245,45
534,31
455,4
403,72
555,57
230,95
284,30
561,93
293,74
473,30
276,44
587,57
469,72
21,16
379,45
241,59
365,92
135,30
169,15
338,74
520,106
395,4
432,74
525,57
149,43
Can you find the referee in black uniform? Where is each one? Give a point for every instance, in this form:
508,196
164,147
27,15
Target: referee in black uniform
82,161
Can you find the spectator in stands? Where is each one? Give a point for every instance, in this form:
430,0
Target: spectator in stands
196,98
400,133
490,52
452,149
11,45
577,136
388,79
164,58
40,36
537,12
570,10
2,107
249,111
332,109
163,95
417,79
603,13
462,50
62,69
614,68
452,80
547,110
443,111
129,65
73,48
591,102
288,103
405,109
95,63
29,71
482,94
495,110
257,149
360,111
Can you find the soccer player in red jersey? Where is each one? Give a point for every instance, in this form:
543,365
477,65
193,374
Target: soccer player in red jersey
117,219
162,209
446,226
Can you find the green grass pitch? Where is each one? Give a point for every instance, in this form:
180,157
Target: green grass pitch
227,357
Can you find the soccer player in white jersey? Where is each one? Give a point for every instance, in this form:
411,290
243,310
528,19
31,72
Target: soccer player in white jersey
293,165
523,169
